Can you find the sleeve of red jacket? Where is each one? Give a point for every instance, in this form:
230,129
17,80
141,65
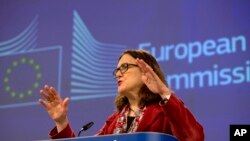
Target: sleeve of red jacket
183,124
67,132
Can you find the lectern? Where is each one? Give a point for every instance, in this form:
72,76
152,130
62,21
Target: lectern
138,136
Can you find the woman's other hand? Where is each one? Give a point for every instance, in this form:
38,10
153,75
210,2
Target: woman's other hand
151,80
56,106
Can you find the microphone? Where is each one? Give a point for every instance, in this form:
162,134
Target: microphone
85,127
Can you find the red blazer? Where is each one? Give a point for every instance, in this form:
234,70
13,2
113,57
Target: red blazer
170,118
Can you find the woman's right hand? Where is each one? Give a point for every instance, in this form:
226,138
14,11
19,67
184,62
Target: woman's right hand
55,106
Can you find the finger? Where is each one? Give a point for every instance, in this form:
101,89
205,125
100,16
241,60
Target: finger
149,74
51,92
149,69
144,66
145,79
44,94
54,93
66,103
46,87
141,64
43,103
146,69
152,73
47,95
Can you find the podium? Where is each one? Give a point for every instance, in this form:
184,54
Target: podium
137,136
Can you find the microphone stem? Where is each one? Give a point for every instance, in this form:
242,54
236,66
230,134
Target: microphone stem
79,133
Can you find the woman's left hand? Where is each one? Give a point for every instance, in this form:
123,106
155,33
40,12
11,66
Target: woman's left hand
151,79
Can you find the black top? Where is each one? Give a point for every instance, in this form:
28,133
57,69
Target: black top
129,121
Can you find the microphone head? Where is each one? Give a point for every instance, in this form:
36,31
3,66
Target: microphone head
87,126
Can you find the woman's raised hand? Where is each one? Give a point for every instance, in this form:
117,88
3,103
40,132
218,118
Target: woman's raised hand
151,79
56,106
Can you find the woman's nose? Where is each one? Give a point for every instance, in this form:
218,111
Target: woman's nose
118,74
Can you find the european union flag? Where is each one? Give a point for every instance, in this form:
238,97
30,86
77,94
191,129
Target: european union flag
22,75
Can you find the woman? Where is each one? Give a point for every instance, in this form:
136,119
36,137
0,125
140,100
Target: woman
144,103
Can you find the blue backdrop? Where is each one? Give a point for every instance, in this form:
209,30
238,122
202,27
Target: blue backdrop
202,46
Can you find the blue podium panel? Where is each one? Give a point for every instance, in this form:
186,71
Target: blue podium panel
139,136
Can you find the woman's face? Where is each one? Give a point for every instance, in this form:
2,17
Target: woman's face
130,81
